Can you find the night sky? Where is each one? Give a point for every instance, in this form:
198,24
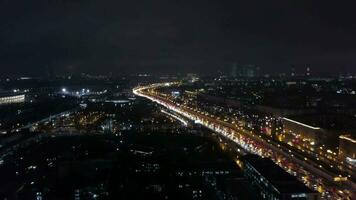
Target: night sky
113,36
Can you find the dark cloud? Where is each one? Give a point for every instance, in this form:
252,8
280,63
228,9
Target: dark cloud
174,36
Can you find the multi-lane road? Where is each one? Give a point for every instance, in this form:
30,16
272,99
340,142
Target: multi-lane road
313,174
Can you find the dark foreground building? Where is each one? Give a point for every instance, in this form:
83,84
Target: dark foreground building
273,182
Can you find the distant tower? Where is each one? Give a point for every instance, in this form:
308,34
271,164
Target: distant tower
49,72
250,71
292,73
108,126
307,70
234,70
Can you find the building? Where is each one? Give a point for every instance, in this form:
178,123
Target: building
311,134
192,77
234,70
272,182
250,71
9,98
292,73
347,149
245,71
307,70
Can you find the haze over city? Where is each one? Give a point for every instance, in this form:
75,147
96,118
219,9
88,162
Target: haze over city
165,36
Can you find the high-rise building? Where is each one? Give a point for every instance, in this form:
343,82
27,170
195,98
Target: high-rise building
246,71
308,73
292,73
234,70
250,71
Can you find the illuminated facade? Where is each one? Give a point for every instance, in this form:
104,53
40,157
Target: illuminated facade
9,99
309,133
347,149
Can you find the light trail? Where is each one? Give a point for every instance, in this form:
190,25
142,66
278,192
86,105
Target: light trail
184,122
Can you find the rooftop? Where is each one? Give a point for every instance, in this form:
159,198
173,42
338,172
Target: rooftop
349,138
341,122
280,179
9,94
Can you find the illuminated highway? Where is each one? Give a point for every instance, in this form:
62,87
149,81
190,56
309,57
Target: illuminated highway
312,174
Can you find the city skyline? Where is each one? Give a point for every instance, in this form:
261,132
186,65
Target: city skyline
177,99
